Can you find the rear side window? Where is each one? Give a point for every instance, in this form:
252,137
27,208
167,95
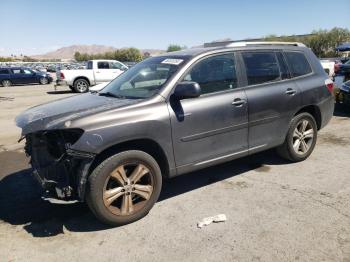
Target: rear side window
16,71
4,71
89,65
298,64
214,74
283,66
103,65
261,67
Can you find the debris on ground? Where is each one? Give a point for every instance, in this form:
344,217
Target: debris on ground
208,220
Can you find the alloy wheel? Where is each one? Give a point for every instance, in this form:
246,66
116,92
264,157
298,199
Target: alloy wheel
43,81
303,137
81,86
6,83
128,188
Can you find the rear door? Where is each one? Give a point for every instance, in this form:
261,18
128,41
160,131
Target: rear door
212,127
17,76
272,96
103,72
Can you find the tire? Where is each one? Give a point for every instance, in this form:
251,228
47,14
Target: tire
43,81
291,149
81,85
6,83
107,194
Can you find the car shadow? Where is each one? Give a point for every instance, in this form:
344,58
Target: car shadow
59,92
21,203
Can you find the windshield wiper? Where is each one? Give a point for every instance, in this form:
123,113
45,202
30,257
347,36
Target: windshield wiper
111,95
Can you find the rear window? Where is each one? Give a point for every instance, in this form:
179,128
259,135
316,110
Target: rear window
261,67
298,64
4,71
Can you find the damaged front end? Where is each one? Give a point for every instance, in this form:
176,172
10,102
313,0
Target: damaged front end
61,171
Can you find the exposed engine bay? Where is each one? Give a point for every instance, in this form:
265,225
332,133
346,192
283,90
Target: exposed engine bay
61,171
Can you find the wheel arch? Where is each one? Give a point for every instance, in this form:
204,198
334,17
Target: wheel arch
314,111
81,77
146,145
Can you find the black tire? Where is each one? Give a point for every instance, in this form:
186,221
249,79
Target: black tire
81,85
100,177
6,83
43,81
287,151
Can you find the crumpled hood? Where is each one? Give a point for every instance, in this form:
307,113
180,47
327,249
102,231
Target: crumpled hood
54,114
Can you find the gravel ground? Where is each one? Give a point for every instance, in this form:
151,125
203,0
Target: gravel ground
276,211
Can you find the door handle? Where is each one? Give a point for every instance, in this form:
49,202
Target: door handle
98,72
238,102
291,91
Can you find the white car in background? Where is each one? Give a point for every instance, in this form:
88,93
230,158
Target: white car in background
97,71
328,66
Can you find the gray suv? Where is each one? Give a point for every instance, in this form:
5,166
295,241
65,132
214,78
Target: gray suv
173,114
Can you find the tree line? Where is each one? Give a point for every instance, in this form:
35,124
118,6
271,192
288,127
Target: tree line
321,42
123,55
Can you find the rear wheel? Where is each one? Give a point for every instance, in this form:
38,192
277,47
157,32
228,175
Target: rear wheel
6,83
301,138
81,86
124,187
44,81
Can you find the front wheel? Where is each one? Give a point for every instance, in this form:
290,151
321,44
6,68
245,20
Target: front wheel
124,187
301,138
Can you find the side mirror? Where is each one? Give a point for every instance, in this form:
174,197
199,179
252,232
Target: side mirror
185,90
124,68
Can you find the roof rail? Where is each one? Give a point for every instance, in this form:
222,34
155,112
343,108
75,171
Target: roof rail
240,44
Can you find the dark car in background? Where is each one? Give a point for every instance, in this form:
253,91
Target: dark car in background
343,69
343,95
22,75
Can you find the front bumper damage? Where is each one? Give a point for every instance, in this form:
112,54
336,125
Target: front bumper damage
61,171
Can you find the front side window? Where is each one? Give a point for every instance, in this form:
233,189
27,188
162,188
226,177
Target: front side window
115,65
27,71
261,67
103,65
298,64
145,79
214,74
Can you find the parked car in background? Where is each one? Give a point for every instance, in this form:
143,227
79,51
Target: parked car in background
343,69
22,75
343,94
173,114
328,66
98,71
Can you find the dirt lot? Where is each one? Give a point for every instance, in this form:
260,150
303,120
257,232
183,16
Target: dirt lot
276,211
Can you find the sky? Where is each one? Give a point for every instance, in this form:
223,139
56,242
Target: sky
36,27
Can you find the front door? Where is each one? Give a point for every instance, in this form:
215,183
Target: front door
212,127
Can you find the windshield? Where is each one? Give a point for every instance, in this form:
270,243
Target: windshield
144,79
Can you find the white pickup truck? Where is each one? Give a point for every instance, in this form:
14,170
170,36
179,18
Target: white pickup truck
97,71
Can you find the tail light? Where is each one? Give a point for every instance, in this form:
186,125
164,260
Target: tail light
61,75
330,85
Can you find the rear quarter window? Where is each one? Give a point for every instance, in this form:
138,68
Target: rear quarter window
4,72
298,64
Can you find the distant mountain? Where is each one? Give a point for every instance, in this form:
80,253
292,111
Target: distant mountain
69,51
